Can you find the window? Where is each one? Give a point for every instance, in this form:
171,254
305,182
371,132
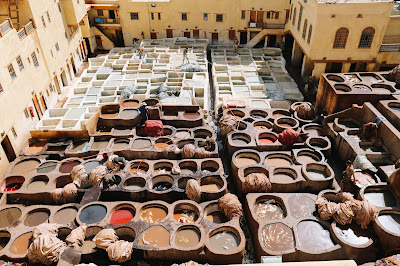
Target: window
1,89
219,17
268,14
44,23
309,34
51,87
14,132
134,16
184,16
26,113
206,17
341,38
20,64
11,71
48,16
294,16
59,6
34,59
291,11
152,16
300,15
159,16
304,29
243,14
100,12
276,15
57,47
366,38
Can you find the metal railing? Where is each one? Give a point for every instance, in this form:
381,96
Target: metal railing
5,27
395,47
106,21
253,25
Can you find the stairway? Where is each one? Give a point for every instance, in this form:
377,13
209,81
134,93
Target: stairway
106,35
256,39
13,13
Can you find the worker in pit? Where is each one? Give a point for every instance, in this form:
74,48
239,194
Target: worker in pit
348,178
185,57
236,45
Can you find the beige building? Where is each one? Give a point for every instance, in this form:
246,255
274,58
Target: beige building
323,35
42,48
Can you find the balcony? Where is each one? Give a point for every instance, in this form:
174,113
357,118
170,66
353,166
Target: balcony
393,47
100,21
7,26
252,25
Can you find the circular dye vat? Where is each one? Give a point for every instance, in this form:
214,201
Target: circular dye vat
217,217
21,244
128,114
135,184
37,185
269,209
258,115
156,236
313,238
93,214
185,216
99,145
391,222
36,147
79,146
239,140
306,158
67,166
37,217
278,161
13,183
262,126
223,241
187,237
182,134
352,234
210,186
89,166
380,198
24,166
316,174
191,116
9,216
153,214
4,239
284,177
119,145
267,140
46,167
161,145
130,104
122,216
162,186
301,206
65,216
109,115
188,170
246,160
141,143
277,237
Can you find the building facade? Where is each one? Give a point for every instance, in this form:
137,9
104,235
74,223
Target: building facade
42,48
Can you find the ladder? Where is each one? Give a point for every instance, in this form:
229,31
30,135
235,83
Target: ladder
13,12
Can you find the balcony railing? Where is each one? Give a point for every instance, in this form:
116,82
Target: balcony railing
106,21
265,26
5,27
28,28
395,47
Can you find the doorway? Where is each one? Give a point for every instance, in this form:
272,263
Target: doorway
253,15
271,41
112,14
169,33
88,45
73,65
64,78
99,44
57,85
186,34
120,38
43,101
243,37
8,149
37,106
196,34
334,67
153,35
232,35
260,17
214,37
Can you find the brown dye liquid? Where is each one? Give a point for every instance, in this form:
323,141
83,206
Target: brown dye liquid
277,237
277,115
119,145
9,216
21,244
187,238
245,161
217,217
24,166
282,177
153,214
161,145
301,206
141,143
211,187
4,239
36,218
285,125
36,147
305,159
277,162
36,186
65,216
156,236
109,115
67,167
261,128
185,216
98,145
269,209
223,241
317,174
130,104
191,116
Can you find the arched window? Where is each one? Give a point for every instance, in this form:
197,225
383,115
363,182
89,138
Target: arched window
304,29
294,16
341,38
366,37
309,34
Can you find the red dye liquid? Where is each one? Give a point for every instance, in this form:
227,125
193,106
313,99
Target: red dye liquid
267,141
13,187
121,216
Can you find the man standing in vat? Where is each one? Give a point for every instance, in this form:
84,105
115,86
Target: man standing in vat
185,57
348,178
